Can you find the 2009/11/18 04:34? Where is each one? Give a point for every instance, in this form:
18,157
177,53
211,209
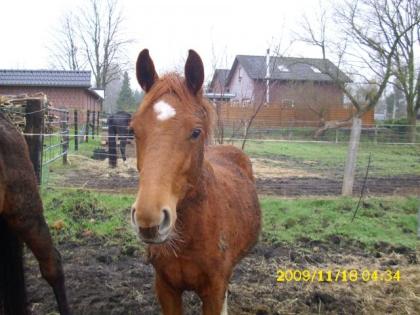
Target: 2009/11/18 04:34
339,275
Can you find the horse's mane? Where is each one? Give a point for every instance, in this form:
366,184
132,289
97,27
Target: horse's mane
172,83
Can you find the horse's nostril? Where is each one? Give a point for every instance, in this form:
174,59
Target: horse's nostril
166,221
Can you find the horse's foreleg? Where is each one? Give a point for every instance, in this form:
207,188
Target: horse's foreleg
112,147
169,298
123,143
35,233
215,299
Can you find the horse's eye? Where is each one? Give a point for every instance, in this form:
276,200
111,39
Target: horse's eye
195,133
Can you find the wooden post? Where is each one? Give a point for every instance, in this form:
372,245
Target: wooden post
93,124
65,137
33,128
97,123
336,135
418,221
76,132
375,140
350,168
87,125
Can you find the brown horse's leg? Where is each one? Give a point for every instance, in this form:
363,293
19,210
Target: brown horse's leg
214,299
34,231
169,299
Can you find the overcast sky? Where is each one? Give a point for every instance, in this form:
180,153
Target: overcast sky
216,29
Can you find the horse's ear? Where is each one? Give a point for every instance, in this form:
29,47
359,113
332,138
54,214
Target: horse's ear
194,72
145,70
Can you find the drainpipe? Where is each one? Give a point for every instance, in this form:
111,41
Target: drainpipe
267,76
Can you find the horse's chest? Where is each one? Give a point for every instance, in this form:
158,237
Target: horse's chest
182,273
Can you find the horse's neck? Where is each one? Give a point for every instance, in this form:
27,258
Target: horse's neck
198,192
191,209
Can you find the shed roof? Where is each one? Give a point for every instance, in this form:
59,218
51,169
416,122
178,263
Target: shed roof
52,78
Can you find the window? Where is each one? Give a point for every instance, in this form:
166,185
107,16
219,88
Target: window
283,68
246,102
288,103
315,69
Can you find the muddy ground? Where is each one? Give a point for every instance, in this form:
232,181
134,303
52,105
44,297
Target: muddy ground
115,279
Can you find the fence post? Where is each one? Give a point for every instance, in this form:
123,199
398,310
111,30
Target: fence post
375,139
87,125
97,124
418,221
76,132
336,135
65,131
34,116
350,168
93,124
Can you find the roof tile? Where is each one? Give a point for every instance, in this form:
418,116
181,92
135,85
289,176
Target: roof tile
59,78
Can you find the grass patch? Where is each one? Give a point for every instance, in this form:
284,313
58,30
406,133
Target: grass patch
75,214
386,159
389,220
85,149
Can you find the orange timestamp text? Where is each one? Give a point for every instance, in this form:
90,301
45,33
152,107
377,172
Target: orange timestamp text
339,275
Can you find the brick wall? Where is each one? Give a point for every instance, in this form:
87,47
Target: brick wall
61,97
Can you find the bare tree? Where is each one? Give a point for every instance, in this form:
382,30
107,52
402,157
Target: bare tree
362,46
93,37
369,53
101,33
396,17
315,35
66,54
219,87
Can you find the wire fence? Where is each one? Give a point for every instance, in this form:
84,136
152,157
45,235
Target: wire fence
287,161
56,138
378,133
282,166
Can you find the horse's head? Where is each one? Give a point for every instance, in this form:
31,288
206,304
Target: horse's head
170,128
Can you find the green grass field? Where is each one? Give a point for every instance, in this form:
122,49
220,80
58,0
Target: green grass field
391,220
76,213
386,160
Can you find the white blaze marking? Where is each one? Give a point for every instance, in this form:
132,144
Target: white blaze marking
164,111
225,308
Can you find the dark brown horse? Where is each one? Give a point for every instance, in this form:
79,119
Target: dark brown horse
196,206
118,126
21,219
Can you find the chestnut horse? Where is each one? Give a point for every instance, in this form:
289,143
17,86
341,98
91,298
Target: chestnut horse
21,219
197,205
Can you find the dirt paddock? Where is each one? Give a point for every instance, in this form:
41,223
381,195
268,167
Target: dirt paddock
276,180
117,279
105,279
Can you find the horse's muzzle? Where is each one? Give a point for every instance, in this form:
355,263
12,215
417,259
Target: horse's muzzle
155,234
